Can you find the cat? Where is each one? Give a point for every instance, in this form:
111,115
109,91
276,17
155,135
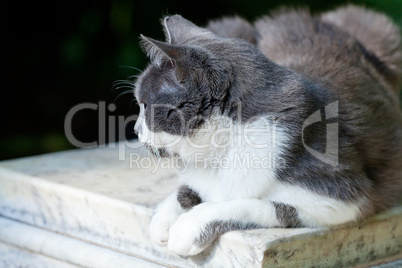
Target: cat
293,121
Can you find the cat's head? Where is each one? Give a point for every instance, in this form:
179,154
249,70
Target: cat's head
193,75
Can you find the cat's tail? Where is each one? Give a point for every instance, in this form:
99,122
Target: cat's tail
377,34
233,27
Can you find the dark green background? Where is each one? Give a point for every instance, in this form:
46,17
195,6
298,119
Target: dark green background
60,54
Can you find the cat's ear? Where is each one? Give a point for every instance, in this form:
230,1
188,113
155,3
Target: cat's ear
191,64
160,52
179,30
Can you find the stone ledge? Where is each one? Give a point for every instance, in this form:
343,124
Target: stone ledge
344,246
93,196
61,249
11,256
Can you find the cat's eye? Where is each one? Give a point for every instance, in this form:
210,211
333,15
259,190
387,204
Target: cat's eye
145,106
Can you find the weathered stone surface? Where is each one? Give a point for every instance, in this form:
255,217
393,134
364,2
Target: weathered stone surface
11,256
23,245
344,246
105,197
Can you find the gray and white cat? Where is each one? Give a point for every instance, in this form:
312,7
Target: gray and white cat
292,121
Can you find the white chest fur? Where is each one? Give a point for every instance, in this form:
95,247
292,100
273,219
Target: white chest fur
235,161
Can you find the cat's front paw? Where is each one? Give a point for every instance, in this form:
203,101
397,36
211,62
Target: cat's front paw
159,228
186,236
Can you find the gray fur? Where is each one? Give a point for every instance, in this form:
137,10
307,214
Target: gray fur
234,27
158,152
375,31
370,118
187,197
214,229
287,215
300,64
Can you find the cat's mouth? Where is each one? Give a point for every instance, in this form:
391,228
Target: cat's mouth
157,152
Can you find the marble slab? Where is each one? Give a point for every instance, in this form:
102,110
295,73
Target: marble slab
23,245
106,195
13,257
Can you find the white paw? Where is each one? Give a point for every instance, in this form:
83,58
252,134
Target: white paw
184,234
159,227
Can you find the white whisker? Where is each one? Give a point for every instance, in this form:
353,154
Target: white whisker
130,67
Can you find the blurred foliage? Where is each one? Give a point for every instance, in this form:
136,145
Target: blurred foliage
64,53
